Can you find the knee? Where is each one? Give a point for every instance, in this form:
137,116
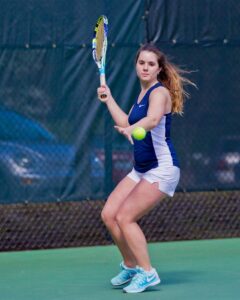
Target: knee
107,217
121,220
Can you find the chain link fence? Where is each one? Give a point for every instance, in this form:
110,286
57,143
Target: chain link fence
58,147
187,216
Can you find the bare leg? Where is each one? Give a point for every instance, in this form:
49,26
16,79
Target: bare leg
144,197
110,210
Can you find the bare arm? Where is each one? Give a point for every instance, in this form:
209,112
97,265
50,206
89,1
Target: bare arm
159,104
119,116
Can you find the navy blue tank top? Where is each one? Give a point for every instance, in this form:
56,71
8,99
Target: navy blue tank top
156,149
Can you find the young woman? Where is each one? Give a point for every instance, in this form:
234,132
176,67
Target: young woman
156,169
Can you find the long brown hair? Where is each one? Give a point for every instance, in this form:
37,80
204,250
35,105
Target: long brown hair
171,77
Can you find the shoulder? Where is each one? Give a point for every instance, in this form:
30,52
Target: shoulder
160,94
161,90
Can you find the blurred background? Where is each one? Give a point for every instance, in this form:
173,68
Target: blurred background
58,147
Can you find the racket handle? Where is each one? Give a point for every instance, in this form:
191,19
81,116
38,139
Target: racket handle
103,82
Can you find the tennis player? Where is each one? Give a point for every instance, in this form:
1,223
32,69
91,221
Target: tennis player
156,172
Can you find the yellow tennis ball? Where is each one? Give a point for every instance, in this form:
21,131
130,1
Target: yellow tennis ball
139,133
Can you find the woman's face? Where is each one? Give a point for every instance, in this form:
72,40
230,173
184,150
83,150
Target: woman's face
147,66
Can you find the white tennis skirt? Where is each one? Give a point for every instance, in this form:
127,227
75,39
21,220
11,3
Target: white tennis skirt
167,178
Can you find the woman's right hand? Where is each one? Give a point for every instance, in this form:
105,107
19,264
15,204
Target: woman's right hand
104,93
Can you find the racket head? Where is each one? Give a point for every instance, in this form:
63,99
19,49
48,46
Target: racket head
99,43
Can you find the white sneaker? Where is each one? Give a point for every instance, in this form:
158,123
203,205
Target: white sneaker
124,276
142,280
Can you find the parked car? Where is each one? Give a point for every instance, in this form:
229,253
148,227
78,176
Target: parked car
122,163
196,171
228,161
33,162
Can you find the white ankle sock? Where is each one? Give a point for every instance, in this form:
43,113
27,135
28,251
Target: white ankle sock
128,268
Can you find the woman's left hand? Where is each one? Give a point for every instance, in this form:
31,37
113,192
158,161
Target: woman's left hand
127,132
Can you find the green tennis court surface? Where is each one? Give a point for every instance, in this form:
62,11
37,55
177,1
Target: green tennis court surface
196,270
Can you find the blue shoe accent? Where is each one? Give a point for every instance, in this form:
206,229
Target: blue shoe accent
142,280
124,276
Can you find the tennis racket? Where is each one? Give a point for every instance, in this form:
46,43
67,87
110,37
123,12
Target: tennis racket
99,47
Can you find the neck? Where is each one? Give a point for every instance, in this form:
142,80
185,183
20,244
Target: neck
147,85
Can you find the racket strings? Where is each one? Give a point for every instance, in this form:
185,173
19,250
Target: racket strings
99,40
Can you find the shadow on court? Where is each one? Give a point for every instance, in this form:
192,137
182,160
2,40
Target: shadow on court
183,277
